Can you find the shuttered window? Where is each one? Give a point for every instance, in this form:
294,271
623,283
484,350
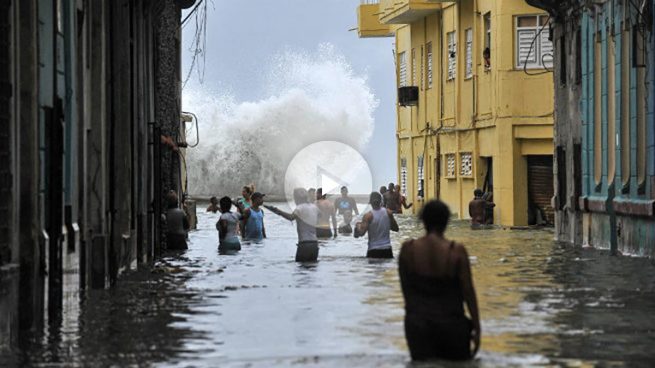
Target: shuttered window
452,56
421,179
403,176
429,62
533,48
402,69
469,53
414,67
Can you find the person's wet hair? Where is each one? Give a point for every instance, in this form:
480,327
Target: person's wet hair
435,216
478,193
248,189
375,199
213,200
300,195
226,204
390,186
171,199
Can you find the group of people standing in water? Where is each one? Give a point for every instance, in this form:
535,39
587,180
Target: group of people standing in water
435,273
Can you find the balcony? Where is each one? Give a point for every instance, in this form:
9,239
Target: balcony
407,11
368,21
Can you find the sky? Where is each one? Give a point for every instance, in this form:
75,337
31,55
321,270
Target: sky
242,36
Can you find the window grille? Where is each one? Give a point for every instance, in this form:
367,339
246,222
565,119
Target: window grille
467,164
451,164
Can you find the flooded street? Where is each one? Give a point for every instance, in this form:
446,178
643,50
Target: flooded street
541,303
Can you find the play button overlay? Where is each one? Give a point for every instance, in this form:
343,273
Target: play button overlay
329,165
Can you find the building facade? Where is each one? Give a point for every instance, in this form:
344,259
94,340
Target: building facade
475,102
90,127
605,156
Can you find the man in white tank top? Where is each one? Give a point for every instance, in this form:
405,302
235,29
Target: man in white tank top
306,217
378,223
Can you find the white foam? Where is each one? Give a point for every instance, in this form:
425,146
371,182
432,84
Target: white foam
311,97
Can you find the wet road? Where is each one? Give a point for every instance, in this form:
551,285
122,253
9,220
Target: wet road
541,304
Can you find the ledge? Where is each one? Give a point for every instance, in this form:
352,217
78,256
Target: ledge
629,207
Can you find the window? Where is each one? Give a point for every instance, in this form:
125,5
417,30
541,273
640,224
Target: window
452,56
467,164
414,67
562,183
403,176
469,53
486,53
420,177
428,48
451,165
422,69
533,49
402,69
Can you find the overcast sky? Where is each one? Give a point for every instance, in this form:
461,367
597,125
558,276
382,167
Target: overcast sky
242,35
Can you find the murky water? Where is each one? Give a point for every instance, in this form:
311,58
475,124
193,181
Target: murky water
542,304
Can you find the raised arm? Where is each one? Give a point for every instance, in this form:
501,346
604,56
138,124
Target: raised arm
468,291
279,212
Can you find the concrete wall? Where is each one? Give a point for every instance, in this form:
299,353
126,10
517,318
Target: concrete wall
86,88
498,112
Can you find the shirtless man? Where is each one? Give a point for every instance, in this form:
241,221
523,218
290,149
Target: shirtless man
477,209
346,206
327,211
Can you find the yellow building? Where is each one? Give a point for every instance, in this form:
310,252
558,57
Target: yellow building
467,121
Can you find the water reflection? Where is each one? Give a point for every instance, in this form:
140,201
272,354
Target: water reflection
541,303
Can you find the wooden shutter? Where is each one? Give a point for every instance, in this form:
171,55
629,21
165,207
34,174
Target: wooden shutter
469,53
525,55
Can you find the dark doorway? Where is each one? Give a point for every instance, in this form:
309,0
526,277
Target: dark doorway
540,190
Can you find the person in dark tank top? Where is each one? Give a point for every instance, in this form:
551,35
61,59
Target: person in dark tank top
435,276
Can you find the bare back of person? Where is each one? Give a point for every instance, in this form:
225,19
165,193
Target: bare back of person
326,209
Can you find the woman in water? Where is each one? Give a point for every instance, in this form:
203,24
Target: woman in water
435,276
227,226
245,201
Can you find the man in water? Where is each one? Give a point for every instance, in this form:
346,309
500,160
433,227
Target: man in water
306,217
213,205
177,224
311,195
392,198
253,218
477,209
383,190
327,211
378,222
346,206
227,226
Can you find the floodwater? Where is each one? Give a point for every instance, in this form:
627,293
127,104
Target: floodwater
541,304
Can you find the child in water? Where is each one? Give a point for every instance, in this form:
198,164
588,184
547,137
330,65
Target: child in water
227,226
253,218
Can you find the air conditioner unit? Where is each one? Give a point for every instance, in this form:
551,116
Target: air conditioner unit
408,96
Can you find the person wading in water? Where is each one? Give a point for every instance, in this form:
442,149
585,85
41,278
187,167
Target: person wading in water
477,209
326,213
346,206
306,216
435,276
253,218
227,226
378,222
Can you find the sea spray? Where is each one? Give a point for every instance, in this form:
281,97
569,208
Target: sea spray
311,97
